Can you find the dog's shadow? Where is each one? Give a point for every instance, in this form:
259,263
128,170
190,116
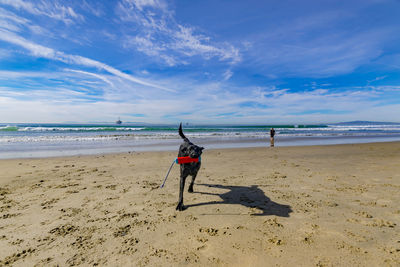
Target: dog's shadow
249,196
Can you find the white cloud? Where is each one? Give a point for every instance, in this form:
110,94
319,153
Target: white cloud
140,4
95,10
46,52
39,30
162,37
101,77
227,75
377,79
88,92
10,21
8,26
150,48
52,9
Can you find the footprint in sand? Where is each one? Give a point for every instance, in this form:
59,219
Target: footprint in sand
64,230
151,185
308,238
276,241
70,212
191,257
17,242
124,216
209,231
373,222
9,260
10,215
77,259
129,246
112,187
122,231
363,214
159,252
202,239
381,223
273,222
48,204
65,185
72,191
4,191
216,261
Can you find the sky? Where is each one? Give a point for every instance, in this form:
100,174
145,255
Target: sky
209,61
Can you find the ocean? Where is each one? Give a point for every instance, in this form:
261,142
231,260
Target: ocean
47,140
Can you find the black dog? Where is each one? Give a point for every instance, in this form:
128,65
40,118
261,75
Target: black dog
187,149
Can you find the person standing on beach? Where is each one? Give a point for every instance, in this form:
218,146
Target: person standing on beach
272,135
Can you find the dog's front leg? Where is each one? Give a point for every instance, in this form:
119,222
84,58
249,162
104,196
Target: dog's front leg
180,206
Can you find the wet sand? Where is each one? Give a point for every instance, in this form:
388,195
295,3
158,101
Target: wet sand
284,206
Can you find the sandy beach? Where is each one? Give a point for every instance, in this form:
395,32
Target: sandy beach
284,206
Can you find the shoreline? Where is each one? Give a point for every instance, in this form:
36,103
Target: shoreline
175,150
123,146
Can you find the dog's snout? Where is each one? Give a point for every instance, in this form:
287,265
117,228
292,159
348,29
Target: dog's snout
195,151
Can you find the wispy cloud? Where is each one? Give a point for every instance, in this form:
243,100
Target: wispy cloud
376,79
259,105
53,9
96,10
140,4
46,52
101,77
162,37
10,21
227,75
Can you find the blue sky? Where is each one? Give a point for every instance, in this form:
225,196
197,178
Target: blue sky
199,61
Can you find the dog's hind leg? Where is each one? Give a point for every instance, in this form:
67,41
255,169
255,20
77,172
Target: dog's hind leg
190,189
180,206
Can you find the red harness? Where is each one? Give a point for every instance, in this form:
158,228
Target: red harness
183,160
180,160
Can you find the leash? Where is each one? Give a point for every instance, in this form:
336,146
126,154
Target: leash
180,160
165,179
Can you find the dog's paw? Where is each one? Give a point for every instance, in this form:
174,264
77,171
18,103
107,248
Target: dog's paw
180,207
190,190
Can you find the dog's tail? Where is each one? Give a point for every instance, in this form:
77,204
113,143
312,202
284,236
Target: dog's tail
181,133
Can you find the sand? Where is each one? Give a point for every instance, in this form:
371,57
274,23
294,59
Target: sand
284,206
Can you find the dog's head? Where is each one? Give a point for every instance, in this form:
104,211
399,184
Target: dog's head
188,149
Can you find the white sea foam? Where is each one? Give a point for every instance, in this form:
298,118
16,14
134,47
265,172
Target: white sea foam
77,129
163,136
93,134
